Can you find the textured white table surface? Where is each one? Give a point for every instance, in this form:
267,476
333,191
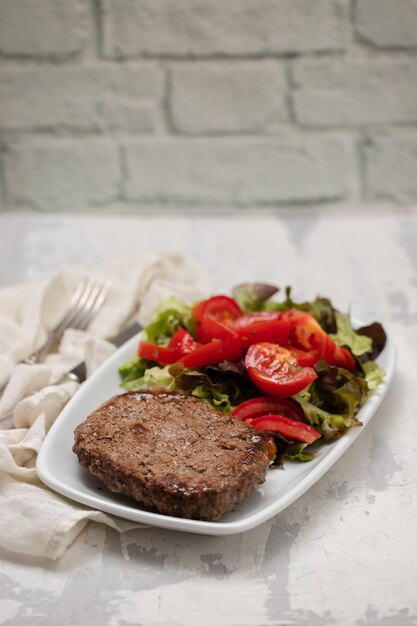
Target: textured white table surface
345,553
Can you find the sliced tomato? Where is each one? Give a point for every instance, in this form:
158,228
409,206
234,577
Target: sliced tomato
233,348
182,340
305,358
275,371
307,334
153,352
213,352
222,308
342,357
295,315
255,318
257,407
207,354
288,428
209,328
272,330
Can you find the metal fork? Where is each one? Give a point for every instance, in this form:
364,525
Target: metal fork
85,304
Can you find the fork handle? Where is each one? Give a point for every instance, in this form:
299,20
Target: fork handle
37,355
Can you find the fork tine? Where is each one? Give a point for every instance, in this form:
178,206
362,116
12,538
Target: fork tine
81,293
92,306
85,303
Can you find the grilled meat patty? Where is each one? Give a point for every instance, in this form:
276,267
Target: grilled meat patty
172,453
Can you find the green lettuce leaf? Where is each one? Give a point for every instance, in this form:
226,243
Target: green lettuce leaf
133,370
152,377
170,316
374,375
346,336
295,452
213,397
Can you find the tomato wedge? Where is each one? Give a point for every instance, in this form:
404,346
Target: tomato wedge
307,334
275,371
255,318
305,358
213,352
222,308
183,341
342,357
207,354
254,328
288,428
257,407
160,354
209,328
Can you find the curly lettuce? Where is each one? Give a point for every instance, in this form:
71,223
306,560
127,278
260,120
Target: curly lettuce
333,400
170,316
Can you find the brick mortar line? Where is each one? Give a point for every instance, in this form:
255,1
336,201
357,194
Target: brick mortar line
363,42
77,59
360,150
208,210
3,192
291,88
96,26
287,133
166,102
192,205
124,172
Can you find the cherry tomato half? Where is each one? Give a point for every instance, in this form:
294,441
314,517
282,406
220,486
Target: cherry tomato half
307,334
255,318
182,341
275,371
153,352
305,358
257,407
288,428
209,328
207,354
342,357
262,326
222,308
213,352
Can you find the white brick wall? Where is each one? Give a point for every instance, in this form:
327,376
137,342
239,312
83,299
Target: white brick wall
228,97
61,174
387,23
219,27
207,102
36,28
355,91
92,96
391,166
236,171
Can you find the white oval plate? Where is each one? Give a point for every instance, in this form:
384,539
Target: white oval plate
58,466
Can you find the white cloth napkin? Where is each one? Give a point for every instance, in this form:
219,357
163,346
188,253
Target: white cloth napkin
34,520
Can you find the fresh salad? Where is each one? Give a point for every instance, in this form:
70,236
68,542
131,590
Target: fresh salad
298,372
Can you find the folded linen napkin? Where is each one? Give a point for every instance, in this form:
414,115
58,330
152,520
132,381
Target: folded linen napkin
34,519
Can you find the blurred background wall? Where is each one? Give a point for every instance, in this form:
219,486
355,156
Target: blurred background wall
194,103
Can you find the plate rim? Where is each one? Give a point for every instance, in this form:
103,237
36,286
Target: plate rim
154,519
